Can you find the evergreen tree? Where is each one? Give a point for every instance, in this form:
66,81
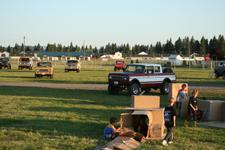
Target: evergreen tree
178,46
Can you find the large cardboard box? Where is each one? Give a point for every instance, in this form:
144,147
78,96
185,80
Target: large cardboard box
174,88
212,109
223,112
155,122
145,101
184,108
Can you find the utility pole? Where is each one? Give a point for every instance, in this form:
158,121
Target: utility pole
84,49
189,51
24,46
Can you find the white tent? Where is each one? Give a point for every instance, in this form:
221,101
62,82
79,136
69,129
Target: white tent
142,54
176,60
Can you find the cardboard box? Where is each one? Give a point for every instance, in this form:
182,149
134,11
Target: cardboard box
223,112
212,109
138,101
184,108
156,131
154,122
174,88
121,143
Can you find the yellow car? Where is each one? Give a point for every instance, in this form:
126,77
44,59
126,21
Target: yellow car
44,69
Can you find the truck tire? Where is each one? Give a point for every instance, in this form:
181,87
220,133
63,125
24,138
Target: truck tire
224,75
134,89
164,89
115,68
51,76
113,90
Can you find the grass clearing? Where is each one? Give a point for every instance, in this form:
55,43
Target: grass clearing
40,118
97,72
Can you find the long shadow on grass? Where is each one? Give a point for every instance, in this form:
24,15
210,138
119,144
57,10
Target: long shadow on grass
55,127
83,113
12,77
68,96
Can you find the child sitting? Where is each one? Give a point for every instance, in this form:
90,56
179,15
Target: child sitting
110,131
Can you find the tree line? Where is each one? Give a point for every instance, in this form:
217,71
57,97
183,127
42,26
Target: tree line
214,47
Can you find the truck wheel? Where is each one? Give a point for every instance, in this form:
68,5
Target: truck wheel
66,70
134,89
113,89
224,75
78,70
51,76
164,89
115,69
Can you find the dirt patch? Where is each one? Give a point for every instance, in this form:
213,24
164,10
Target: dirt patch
58,85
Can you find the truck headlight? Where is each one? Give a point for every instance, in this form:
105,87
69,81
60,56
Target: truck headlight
110,77
125,78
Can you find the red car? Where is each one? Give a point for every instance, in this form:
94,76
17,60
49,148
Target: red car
120,64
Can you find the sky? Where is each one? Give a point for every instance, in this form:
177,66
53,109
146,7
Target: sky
98,22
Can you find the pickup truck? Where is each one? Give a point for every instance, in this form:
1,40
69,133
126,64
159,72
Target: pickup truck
220,71
141,77
119,65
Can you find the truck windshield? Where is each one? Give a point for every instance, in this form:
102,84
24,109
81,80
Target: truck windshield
25,59
44,64
135,68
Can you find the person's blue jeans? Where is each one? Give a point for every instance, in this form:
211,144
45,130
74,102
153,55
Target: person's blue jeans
169,134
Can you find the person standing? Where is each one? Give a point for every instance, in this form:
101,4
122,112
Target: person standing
181,97
170,122
193,106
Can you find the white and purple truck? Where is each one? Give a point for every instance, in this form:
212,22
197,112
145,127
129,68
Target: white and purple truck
141,77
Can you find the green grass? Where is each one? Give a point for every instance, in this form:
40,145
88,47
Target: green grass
97,72
39,118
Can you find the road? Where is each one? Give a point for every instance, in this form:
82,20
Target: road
88,86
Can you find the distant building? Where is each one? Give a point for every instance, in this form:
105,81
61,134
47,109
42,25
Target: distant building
176,60
117,55
4,54
64,56
142,54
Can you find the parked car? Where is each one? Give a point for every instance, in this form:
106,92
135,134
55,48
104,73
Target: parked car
141,77
4,63
119,65
73,65
25,62
220,71
44,69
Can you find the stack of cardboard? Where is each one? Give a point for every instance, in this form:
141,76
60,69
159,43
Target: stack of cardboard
148,107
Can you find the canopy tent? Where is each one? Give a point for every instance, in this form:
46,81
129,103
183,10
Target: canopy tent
142,54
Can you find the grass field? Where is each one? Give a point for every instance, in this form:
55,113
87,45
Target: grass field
39,118
97,72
